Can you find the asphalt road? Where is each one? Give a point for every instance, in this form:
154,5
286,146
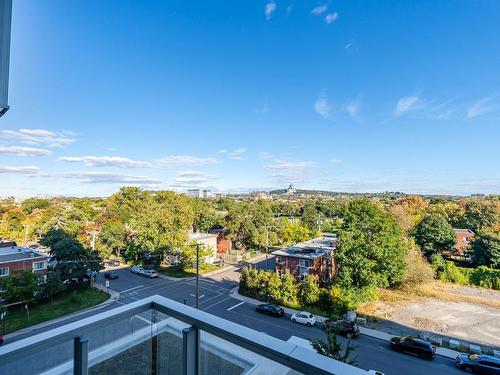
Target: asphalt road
214,298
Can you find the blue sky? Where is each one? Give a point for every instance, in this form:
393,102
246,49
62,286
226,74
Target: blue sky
338,95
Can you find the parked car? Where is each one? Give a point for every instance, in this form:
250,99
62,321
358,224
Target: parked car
111,275
343,327
478,363
149,273
112,262
270,310
137,270
304,317
413,345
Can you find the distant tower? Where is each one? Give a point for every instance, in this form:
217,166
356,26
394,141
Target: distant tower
290,190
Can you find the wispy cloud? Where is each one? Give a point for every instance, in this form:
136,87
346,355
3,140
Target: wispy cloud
173,161
265,155
39,137
108,178
27,170
106,161
192,178
319,10
352,108
406,104
482,107
284,171
322,107
336,161
270,9
24,151
331,18
238,154
223,151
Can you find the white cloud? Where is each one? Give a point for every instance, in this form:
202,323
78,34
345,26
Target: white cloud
223,151
39,136
336,161
289,165
270,8
482,107
173,161
28,170
106,161
322,107
265,155
109,178
406,104
352,108
237,154
191,178
319,10
331,18
24,151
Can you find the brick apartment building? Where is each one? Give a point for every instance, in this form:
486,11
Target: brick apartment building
15,259
464,238
312,257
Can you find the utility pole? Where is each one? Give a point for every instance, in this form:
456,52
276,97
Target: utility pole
267,247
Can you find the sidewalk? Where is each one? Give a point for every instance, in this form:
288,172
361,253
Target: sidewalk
445,352
113,296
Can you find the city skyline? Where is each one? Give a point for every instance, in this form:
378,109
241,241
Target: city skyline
347,96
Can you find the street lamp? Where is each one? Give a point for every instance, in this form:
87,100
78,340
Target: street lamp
5,22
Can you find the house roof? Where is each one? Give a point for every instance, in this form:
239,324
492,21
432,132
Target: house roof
457,230
311,249
17,253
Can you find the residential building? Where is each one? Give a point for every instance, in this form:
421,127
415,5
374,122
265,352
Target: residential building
223,241
208,240
15,259
464,238
314,257
199,193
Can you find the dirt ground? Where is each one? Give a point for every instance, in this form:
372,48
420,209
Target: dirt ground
470,314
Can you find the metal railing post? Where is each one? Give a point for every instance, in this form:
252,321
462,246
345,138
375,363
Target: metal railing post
191,351
81,356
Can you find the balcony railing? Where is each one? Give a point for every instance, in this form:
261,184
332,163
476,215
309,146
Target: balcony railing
159,336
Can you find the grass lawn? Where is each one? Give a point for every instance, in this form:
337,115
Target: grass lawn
178,271
65,304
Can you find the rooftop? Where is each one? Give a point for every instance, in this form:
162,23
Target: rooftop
311,249
16,253
201,236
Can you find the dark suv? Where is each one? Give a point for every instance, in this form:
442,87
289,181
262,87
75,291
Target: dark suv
343,327
413,345
478,363
270,310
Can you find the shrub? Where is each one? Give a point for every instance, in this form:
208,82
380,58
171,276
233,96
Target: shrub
485,277
75,298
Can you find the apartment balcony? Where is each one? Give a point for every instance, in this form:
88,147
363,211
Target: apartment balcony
159,336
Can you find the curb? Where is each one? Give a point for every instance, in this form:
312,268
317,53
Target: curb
444,352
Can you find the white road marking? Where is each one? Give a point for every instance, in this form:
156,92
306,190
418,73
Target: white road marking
129,289
216,303
238,304
207,281
194,295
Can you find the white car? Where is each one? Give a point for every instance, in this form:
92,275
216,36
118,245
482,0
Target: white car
304,317
150,273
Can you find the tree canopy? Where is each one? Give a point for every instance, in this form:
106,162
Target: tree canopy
434,235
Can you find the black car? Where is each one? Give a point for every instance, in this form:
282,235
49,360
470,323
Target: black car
413,345
343,327
111,275
270,310
478,363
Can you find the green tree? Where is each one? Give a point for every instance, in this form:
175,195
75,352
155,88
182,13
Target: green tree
434,235
30,204
112,238
480,214
73,260
310,216
309,291
486,250
53,286
332,347
371,249
21,287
